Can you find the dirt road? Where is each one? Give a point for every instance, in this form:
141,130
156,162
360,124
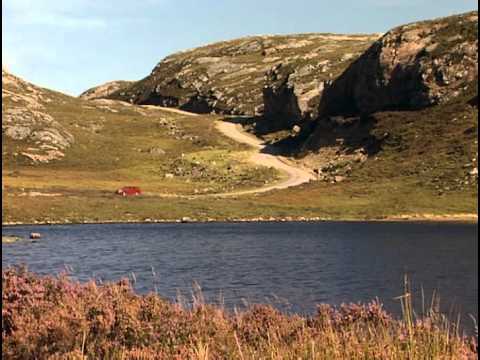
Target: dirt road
295,175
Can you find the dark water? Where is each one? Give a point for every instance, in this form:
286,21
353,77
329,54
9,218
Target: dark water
293,265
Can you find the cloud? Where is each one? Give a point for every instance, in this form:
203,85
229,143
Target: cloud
55,13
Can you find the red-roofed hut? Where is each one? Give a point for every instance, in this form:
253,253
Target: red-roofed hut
129,191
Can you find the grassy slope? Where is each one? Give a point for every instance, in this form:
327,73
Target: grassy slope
112,149
403,178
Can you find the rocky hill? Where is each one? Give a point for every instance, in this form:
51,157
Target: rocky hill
27,125
389,124
411,67
64,157
229,77
105,90
336,101
410,103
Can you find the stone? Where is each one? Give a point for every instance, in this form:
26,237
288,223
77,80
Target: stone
10,239
156,151
18,132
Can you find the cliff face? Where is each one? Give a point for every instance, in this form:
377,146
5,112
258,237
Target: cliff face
293,91
411,67
105,90
230,77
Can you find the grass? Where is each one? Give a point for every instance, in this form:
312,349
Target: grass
117,145
420,170
432,149
56,318
346,201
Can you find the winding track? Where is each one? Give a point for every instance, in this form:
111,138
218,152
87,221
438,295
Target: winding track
295,175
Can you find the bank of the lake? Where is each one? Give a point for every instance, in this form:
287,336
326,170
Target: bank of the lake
453,218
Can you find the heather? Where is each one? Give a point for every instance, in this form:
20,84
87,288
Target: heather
46,317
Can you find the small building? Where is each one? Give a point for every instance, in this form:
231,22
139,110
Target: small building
129,191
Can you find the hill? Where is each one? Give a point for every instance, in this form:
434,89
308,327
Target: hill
229,77
64,157
408,105
105,90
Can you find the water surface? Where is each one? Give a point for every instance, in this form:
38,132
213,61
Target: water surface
293,265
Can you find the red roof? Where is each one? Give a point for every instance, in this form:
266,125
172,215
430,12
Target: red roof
129,191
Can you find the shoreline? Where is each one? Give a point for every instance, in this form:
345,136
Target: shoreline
411,218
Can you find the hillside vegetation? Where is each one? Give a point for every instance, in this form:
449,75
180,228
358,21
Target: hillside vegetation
390,130
409,105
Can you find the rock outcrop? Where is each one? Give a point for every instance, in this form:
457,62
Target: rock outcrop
410,68
234,77
105,90
293,89
408,107
26,121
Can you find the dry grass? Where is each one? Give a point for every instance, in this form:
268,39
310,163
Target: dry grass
55,318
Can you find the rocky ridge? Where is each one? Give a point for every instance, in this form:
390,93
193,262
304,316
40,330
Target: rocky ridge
412,67
232,77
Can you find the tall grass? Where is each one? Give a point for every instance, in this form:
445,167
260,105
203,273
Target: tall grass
56,318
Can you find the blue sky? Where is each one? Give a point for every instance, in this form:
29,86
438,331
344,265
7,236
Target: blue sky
71,45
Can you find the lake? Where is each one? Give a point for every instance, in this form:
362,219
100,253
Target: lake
291,265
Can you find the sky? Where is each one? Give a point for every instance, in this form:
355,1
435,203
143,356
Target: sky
72,45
